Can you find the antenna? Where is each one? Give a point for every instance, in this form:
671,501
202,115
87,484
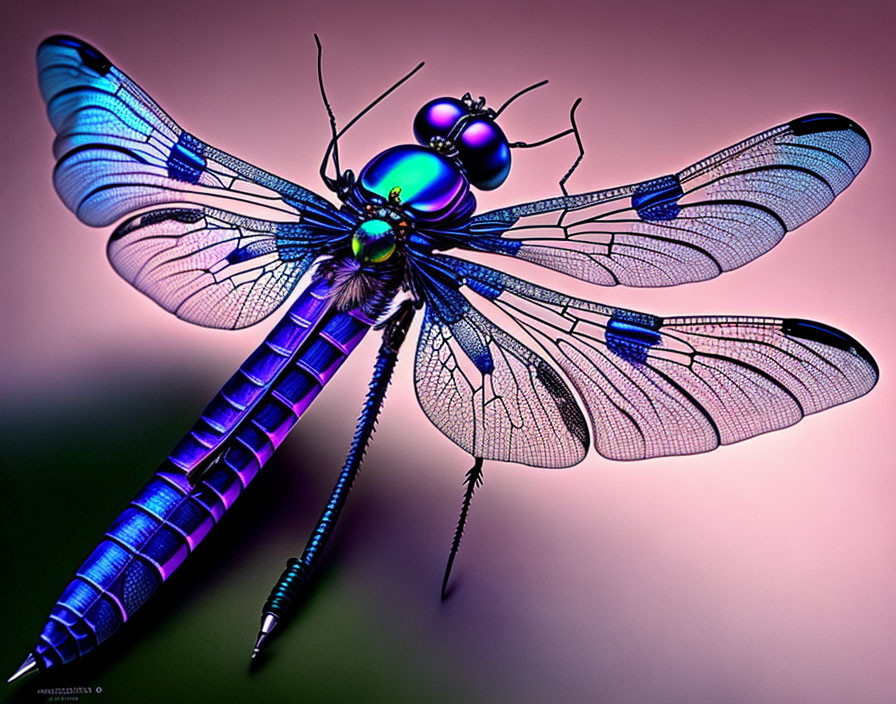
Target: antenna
572,130
519,94
334,143
333,146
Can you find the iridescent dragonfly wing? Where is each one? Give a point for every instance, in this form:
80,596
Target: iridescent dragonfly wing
657,386
488,392
713,216
238,238
213,267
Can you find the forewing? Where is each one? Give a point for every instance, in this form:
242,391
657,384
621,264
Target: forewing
713,216
491,394
117,150
672,386
239,237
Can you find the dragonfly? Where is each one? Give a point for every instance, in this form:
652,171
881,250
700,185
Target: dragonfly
222,243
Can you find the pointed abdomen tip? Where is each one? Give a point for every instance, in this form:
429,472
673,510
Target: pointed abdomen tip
26,668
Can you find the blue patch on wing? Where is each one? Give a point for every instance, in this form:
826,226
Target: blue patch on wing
293,241
497,245
657,200
489,290
493,227
474,347
449,307
481,357
631,335
243,254
185,163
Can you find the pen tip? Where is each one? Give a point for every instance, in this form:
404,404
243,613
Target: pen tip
268,624
26,668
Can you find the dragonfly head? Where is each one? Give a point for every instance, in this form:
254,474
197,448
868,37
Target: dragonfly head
466,130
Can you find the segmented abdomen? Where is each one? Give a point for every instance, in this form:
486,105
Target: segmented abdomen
170,515
251,381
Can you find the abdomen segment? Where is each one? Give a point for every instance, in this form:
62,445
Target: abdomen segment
171,514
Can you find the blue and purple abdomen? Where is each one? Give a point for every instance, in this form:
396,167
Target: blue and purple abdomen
171,514
251,381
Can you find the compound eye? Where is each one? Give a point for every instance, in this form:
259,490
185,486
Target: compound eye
482,148
437,118
373,242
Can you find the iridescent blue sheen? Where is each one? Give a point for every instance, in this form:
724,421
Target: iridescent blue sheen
481,145
482,148
630,339
488,290
657,200
432,187
249,384
170,515
437,118
185,163
119,153
373,241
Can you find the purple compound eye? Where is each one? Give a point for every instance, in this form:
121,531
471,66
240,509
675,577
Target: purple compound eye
482,148
437,118
481,145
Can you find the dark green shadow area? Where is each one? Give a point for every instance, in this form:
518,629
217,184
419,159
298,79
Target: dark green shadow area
72,460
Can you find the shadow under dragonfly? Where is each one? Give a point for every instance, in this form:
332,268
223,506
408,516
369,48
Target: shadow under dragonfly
76,458
74,462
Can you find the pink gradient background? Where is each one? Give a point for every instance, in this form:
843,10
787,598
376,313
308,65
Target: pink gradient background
762,572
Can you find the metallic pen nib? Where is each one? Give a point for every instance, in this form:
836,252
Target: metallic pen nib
26,668
268,624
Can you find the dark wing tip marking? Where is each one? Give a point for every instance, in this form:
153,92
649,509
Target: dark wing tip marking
566,404
92,57
184,215
827,335
826,122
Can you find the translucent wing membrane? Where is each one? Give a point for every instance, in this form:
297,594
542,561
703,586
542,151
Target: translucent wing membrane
671,386
713,216
490,394
211,267
119,152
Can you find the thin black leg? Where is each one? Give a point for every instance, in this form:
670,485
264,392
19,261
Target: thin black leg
285,594
575,130
474,479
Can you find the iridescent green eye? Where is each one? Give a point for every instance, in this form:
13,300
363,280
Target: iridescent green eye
373,241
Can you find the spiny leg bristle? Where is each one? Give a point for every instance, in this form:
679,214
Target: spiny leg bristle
473,479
